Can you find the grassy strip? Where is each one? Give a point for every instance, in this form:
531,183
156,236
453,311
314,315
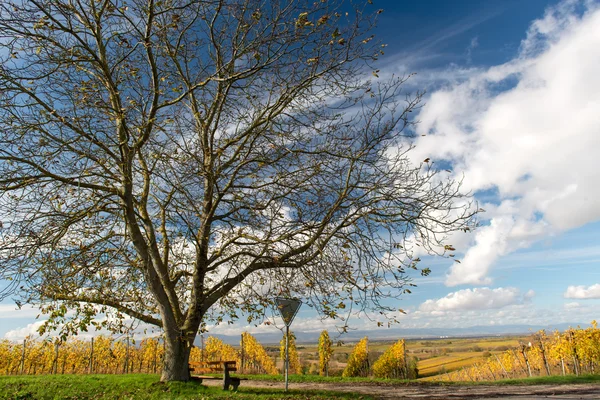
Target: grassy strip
324,379
142,386
539,380
139,386
550,380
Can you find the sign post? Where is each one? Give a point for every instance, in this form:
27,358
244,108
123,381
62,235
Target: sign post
288,308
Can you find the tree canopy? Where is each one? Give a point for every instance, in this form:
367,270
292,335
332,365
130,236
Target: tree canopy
182,161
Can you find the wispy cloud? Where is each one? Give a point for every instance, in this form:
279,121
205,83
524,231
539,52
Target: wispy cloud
461,26
12,311
528,129
472,46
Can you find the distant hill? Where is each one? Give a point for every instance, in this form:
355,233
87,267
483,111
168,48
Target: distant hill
396,333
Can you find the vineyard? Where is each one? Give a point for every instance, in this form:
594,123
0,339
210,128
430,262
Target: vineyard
573,352
107,355
102,355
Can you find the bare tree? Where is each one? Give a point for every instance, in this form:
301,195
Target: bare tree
180,161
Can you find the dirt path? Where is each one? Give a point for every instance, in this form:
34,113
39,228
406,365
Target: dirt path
454,392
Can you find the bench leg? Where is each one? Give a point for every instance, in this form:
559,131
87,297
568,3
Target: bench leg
226,380
235,383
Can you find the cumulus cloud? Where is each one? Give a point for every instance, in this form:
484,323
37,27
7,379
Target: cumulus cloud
528,131
30,330
300,324
476,299
137,330
582,292
519,314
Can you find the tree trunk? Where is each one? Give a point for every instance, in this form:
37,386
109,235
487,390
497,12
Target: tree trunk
177,357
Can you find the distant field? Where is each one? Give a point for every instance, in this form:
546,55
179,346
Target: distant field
435,356
443,364
445,355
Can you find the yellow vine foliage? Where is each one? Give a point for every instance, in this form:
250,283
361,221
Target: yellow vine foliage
358,361
295,367
256,357
151,352
74,356
575,351
9,357
197,355
216,350
325,352
391,363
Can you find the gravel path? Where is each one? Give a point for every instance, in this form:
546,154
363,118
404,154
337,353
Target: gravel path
436,392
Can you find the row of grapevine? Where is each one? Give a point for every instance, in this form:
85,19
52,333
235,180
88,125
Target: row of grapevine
325,353
294,361
107,355
100,355
392,364
358,361
575,351
254,356
215,349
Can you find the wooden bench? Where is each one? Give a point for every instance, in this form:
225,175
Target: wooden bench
198,371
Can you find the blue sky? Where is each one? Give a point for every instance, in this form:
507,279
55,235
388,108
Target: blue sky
513,105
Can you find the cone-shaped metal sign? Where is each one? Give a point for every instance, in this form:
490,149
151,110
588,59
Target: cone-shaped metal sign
288,308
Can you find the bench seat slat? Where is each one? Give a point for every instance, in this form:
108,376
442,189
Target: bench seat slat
212,362
210,370
205,371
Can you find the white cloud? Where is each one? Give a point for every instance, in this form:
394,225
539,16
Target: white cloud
530,131
472,46
518,314
12,311
275,324
490,242
138,330
582,292
21,333
572,306
476,299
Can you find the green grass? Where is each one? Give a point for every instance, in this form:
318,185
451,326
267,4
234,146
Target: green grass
138,386
540,380
550,380
305,378
141,386
326,379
